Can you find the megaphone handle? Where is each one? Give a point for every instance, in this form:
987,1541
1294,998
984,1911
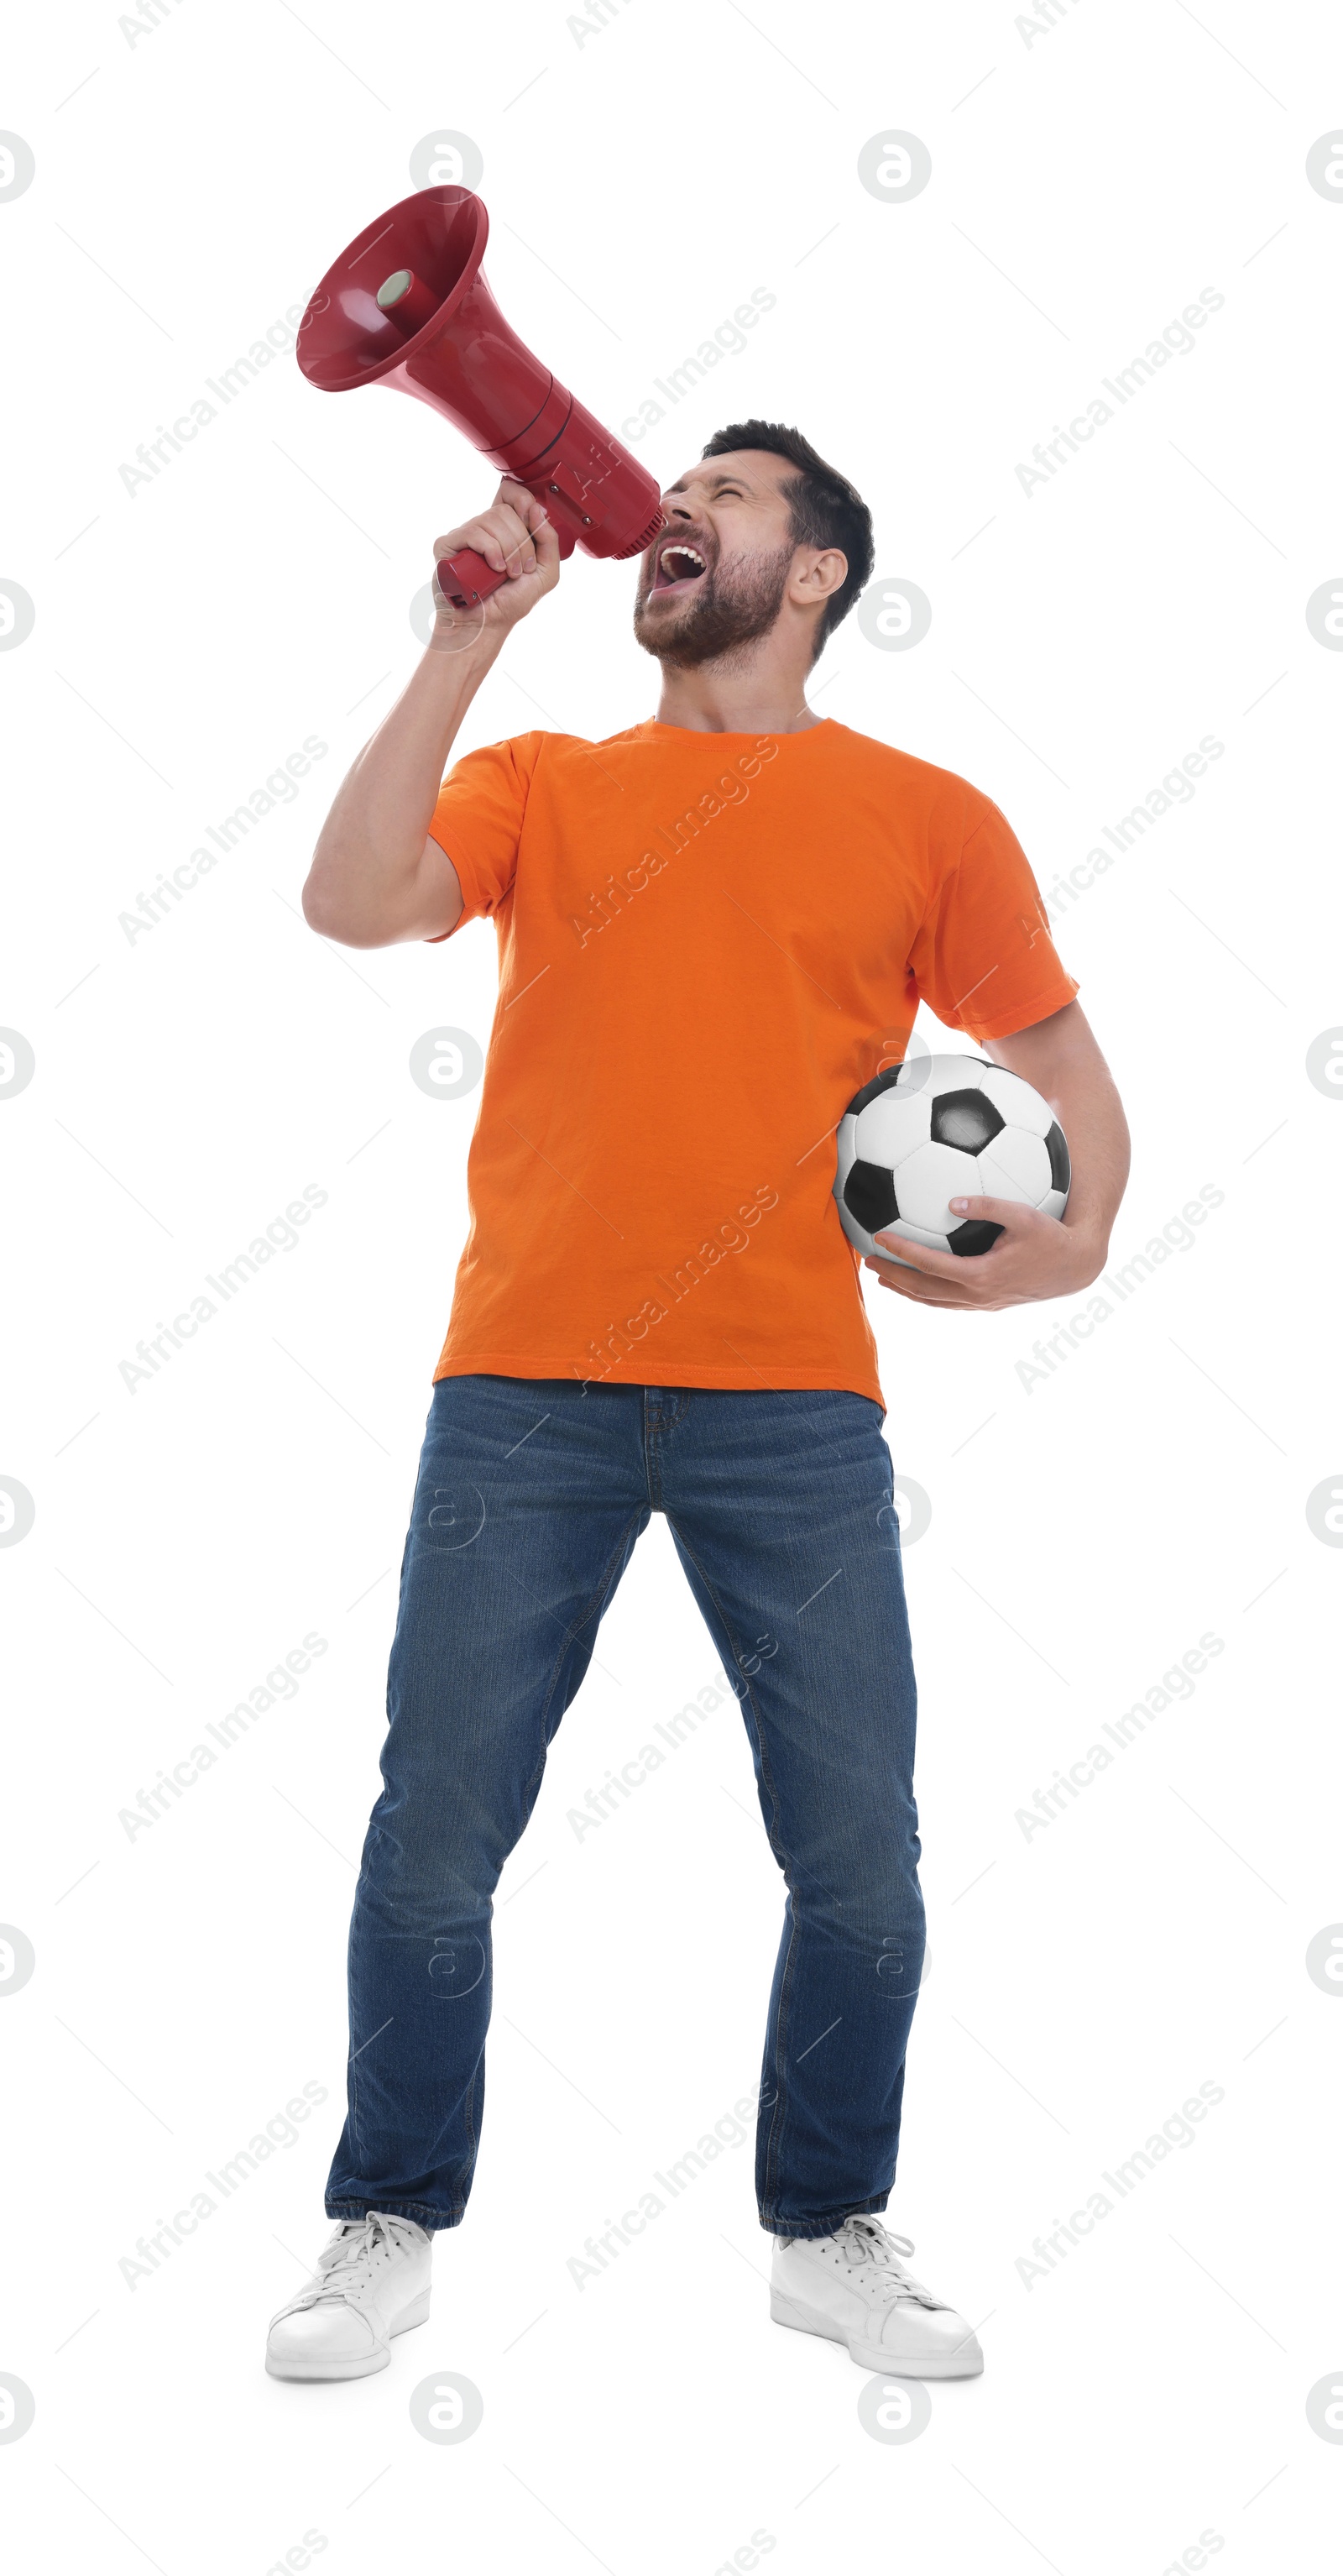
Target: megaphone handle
465,578
470,579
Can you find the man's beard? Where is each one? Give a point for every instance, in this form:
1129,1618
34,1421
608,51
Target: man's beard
731,607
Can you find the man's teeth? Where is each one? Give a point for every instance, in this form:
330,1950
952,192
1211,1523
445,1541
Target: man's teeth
682,554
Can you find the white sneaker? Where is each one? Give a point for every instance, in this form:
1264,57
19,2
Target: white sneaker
371,2282
853,2287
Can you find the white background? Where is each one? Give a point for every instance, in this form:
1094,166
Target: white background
191,184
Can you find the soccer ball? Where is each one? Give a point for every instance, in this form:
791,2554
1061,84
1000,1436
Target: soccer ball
942,1127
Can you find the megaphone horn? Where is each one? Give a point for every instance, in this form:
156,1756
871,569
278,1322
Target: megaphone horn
407,305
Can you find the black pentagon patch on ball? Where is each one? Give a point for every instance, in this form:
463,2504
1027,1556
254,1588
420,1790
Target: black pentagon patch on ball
873,1090
976,1235
966,1119
1060,1169
869,1195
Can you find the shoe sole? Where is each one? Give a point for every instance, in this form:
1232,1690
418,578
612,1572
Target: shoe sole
362,2367
869,2356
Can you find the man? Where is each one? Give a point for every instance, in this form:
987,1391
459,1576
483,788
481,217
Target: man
713,928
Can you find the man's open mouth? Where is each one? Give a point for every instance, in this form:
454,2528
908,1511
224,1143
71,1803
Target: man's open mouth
678,567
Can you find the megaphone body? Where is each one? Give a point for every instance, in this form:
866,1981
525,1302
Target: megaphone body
406,305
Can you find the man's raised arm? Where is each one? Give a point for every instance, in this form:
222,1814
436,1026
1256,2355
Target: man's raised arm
376,875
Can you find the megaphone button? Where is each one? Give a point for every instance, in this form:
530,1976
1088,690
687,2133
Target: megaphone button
407,301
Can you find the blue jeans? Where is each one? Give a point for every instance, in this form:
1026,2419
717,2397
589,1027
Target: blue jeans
530,1496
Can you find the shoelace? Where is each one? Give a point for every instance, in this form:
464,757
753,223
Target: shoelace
866,2241
361,2240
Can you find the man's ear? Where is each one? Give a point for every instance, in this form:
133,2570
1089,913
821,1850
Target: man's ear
826,573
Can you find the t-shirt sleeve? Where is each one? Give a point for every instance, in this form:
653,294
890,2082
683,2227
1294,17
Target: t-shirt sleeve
983,959
478,821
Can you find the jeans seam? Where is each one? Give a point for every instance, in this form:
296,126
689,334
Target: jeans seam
811,2230
472,2128
780,1855
352,2062
652,1455
421,2211
575,1629
778,2126
779,2121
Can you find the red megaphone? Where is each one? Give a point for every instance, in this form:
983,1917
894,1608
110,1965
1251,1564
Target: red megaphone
406,305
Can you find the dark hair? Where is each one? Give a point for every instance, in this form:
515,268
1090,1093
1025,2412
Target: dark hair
825,509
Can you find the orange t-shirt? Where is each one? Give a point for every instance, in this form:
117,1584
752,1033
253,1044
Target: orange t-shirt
708,942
